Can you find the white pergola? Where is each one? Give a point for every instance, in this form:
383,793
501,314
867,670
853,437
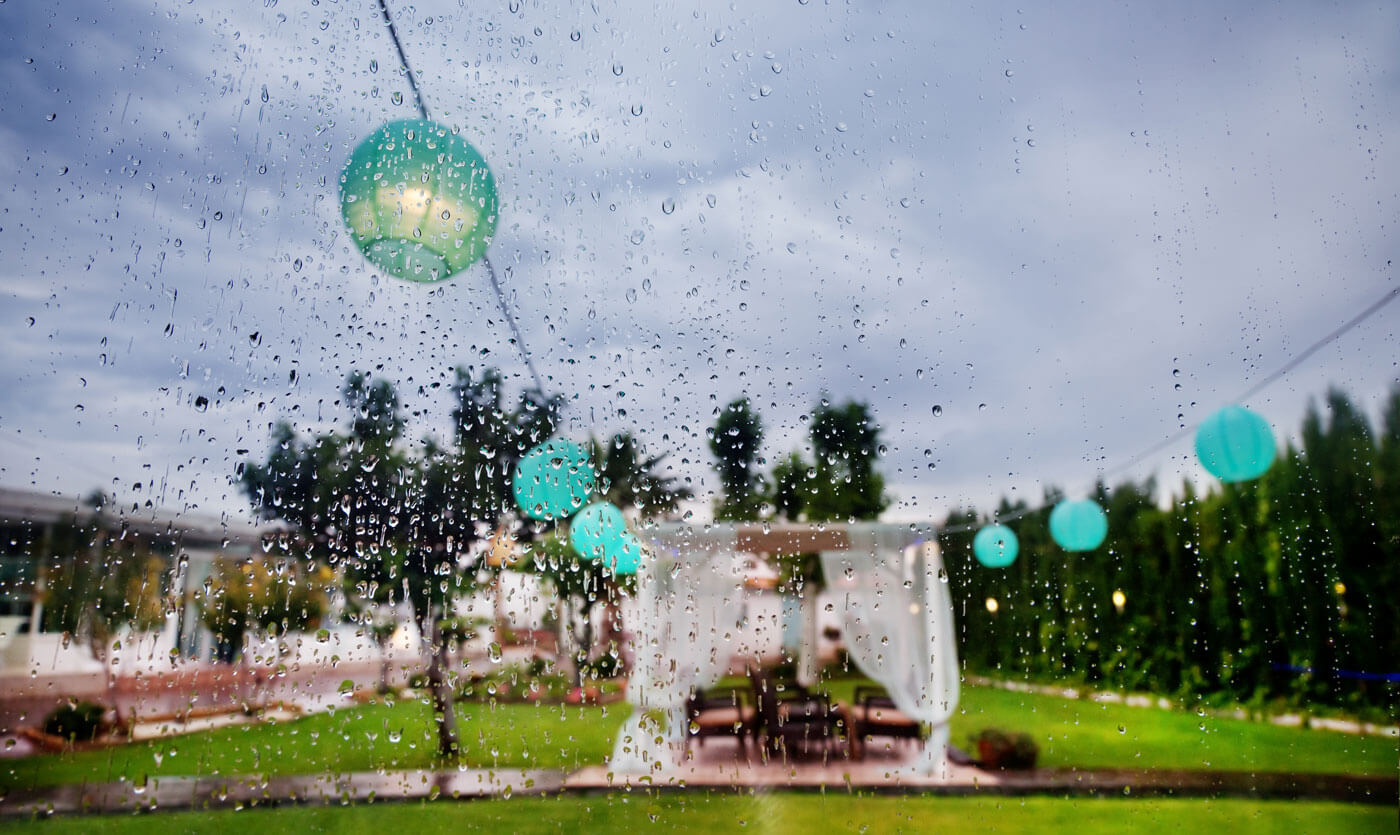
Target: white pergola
896,617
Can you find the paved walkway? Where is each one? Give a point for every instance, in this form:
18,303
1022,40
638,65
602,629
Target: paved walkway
242,792
715,767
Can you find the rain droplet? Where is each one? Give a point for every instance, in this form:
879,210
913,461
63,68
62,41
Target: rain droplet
668,206
617,69
937,411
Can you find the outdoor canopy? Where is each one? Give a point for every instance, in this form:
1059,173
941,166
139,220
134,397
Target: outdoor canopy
896,618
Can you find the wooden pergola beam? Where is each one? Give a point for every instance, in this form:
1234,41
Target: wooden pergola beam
790,539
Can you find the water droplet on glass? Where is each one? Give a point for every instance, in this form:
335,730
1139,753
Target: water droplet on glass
937,411
668,206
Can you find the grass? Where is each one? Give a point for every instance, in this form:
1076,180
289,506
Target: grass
378,736
1071,733
1085,734
760,812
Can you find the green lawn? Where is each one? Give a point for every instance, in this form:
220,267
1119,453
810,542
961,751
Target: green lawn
356,739
762,813
1085,734
1070,733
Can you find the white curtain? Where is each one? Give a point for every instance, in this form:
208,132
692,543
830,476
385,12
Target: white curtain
897,615
689,602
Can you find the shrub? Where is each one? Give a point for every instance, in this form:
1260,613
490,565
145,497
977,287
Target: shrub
1002,750
76,721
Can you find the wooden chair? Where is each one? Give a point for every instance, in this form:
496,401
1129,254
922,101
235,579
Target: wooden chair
791,719
721,713
874,714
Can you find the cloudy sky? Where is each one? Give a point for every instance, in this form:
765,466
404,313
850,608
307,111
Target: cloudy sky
1036,241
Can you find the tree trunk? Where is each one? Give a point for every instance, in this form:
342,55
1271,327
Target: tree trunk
384,668
448,743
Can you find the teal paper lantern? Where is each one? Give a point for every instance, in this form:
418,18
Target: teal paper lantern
553,480
1078,525
996,546
628,558
419,200
1234,444
597,530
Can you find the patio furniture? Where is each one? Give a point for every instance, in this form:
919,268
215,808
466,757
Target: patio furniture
791,719
874,714
721,713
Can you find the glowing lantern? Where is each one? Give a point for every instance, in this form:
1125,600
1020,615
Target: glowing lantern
1235,444
553,480
598,530
996,546
1078,525
419,200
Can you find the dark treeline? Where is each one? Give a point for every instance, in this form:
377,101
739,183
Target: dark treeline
1230,595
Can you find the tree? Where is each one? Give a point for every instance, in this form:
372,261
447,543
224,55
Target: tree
403,524
105,578
272,596
581,584
791,486
845,443
629,478
735,441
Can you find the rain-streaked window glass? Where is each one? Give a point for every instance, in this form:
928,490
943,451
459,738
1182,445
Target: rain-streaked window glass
786,415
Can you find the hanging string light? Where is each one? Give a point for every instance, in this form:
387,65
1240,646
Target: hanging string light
421,203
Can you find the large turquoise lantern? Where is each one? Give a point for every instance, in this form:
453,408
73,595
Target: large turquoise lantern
996,546
1235,444
419,200
1078,525
553,480
598,530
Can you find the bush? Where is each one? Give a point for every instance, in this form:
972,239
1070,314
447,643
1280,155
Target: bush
1010,752
76,721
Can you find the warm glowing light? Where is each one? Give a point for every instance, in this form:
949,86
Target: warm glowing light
1341,588
992,605
1119,599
